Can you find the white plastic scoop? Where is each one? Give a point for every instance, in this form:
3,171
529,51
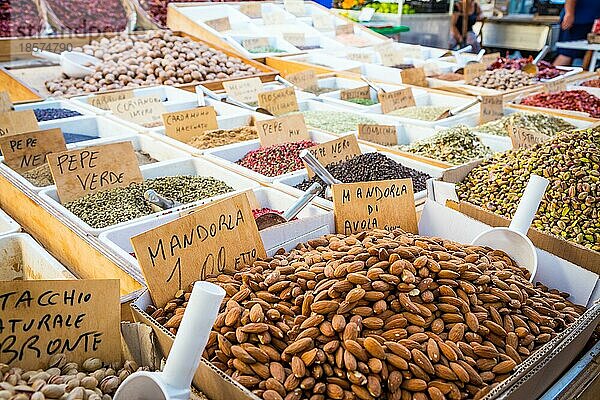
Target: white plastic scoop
513,240
173,383
74,63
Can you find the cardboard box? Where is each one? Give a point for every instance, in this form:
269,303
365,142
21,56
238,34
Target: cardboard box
443,191
440,221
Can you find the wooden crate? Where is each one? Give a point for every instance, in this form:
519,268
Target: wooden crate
17,90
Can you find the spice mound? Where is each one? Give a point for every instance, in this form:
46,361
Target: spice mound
335,121
395,315
504,79
320,90
221,137
454,146
114,206
362,102
277,159
265,49
369,167
545,69
592,83
48,114
537,122
423,113
570,208
575,100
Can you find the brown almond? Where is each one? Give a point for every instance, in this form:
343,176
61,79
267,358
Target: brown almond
374,348
414,385
422,361
504,367
299,346
324,306
460,372
457,332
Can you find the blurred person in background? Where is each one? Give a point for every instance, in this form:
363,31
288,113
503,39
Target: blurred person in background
576,20
461,28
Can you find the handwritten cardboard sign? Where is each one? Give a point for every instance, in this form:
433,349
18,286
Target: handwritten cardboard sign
14,122
489,59
412,51
286,129
41,318
139,110
219,24
474,70
385,135
220,236
390,56
295,7
306,79
25,151
360,56
279,102
555,86
364,206
244,90
414,76
346,29
5,101
363,92
323,22
93,169
523,138
273,18
491,108
295,38
251,9
184,125
341,149
256,43
103,100
395,100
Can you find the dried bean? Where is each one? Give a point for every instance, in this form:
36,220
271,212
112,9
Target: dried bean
48,114
157,9
592,83
575,100
89,16
277,159
19,18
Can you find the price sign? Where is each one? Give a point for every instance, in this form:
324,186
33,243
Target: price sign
414,76
244,90
219,24
346,29
306,79
5,102
295,7
93,169
103,100
251,9
491,109
359,56
389,55
279,102
364,206
323,22
295,38
555,86
286,129
14,122
489,59
273,18
25,151
381,134
42,318
139,110
363,92
218,237
523,138
395,100
256,43
184,125
474,70
341,149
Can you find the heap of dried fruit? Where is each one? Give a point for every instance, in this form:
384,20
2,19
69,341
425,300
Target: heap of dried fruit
378,315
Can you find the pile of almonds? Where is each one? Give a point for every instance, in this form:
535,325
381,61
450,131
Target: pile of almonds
378,314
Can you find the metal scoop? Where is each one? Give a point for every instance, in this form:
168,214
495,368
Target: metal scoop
173,383
271,219
457,110
532,68
74,64
159,203
513,240
287,83
226,99
320,170
372,85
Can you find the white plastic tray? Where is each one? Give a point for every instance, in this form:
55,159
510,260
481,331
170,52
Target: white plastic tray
334,98
237,20
275,41
50,103
328,61
191,166
7,224
22,258
97,127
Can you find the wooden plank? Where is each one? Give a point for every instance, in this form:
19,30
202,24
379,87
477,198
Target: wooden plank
286,66
18,90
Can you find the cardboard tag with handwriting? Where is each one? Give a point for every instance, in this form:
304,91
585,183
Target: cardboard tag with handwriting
244,90
256,43
184,125
42,318
286,129
555,86
523,138
346,29
14,122
279,102
341,149
25,151
391,101
385,135
306,79
251,9
273,18
5,102
93,169
360,56
103,100
390,56
363,92
414,76
295,7
219,24
139,110
295,38
491,108
474,70
323,22
489,59
218,237
364,206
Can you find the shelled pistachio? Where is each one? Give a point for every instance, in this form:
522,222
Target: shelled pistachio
335,121
538,122
423,113
570,208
